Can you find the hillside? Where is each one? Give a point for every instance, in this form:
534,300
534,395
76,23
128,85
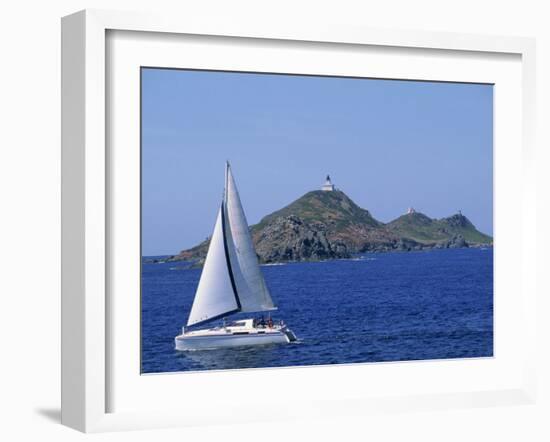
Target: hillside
319,225
329,225
425,230
332,208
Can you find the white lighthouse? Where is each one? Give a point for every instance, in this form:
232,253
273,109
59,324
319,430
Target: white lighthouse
328,186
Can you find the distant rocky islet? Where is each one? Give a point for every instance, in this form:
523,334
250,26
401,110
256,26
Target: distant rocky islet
327,224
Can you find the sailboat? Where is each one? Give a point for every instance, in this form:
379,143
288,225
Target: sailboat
231,282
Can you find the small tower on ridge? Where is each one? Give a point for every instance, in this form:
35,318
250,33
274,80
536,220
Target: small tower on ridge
328,186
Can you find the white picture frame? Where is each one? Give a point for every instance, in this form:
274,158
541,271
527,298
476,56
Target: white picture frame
87,205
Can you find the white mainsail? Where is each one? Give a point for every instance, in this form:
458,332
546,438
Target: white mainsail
215,294
231,279
253,293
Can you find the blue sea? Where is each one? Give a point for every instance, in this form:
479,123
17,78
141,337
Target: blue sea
394,306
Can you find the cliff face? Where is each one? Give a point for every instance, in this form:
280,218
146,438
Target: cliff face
291,238
329,225
331,216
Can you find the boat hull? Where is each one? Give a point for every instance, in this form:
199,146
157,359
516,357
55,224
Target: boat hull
184,343
236,334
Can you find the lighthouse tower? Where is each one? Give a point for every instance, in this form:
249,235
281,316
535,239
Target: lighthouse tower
328,186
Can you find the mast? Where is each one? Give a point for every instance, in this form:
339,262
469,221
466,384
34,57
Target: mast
228,260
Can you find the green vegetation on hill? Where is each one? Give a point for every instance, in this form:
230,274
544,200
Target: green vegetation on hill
423,229
333,208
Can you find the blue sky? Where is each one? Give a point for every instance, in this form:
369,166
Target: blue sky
387,144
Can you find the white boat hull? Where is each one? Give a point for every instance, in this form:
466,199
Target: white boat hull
221,337
184,343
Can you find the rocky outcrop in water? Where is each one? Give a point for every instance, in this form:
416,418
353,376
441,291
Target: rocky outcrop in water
290,238
329,225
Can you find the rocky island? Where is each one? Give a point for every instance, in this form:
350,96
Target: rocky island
327,224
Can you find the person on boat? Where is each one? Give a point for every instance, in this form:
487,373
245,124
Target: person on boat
270,322
261,323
